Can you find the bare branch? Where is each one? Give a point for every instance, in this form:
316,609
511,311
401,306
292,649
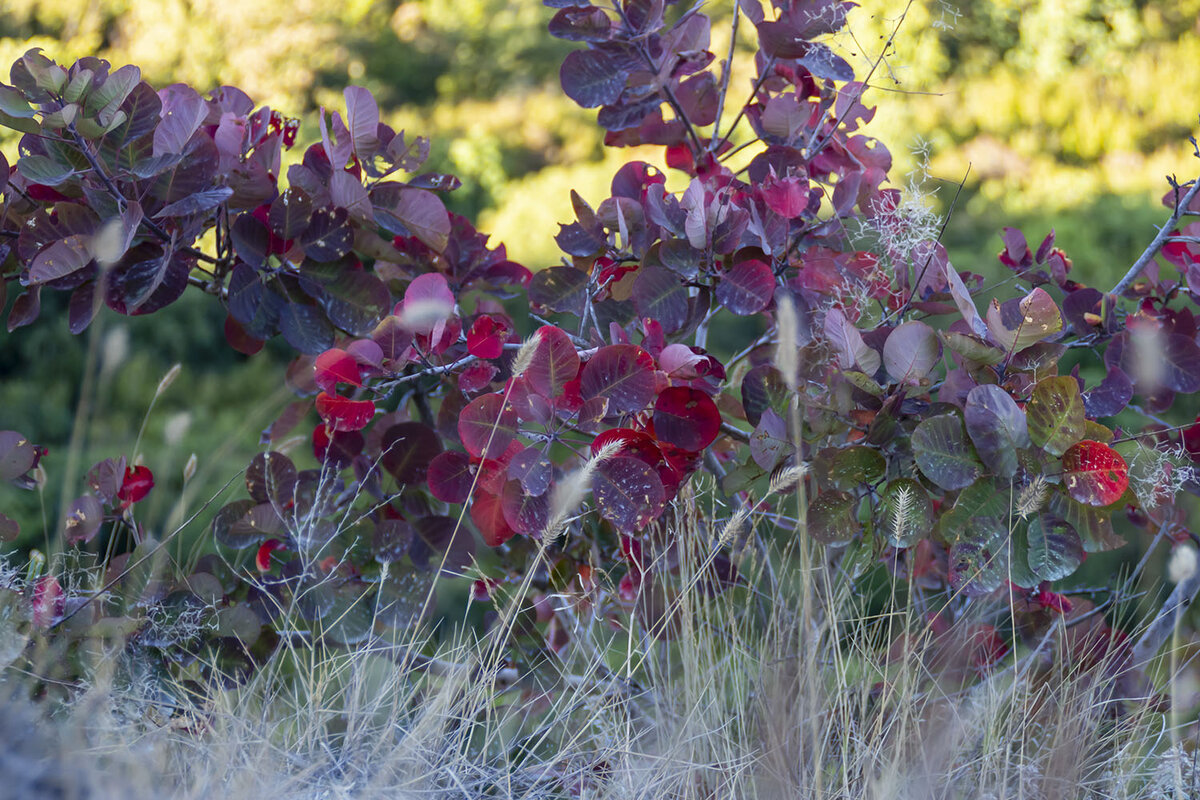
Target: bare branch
1156,244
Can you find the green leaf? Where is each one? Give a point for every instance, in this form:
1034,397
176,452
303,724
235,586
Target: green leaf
1055,549
850,467
984,498
905,512
13,103
1094,525
944,453
973,348
31,126
44,170
1056,415
1019,571
979,558
105,100
831,518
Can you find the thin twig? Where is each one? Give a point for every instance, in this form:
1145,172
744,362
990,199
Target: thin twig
726,75
1156,244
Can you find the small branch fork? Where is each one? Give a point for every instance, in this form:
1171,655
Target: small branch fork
1164,233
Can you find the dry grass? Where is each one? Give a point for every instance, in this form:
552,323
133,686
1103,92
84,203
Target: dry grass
783,687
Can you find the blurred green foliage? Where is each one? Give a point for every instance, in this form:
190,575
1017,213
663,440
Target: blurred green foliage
1068,112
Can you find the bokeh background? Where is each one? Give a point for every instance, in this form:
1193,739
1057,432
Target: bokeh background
1069,113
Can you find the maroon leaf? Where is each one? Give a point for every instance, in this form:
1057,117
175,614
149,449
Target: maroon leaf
747,288
60,259
271,478
328,236
525,513
408,449
83,521
82,307
911,351
533,469
587,24
560,289
363,116
290,213
419,213
762,388
450,477
487,426
686,418
104,478
486,337
487,512
659,295
555,361
622,373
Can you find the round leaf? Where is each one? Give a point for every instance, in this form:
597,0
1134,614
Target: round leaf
555,361
911,351
623,373
686,418
1055,550
1094,473
449,476
344,414
747,288
659,295
408,450
997,426
628,493
487,426
944,453
1055,414
831,518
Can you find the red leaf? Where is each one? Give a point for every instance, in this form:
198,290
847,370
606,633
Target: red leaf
488,515
137,484
336,366
476,377
486,337
1094,473
262,558
48,601
344,414
686,418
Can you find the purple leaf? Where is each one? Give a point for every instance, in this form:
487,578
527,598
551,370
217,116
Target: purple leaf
363,114
597,77
182,111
